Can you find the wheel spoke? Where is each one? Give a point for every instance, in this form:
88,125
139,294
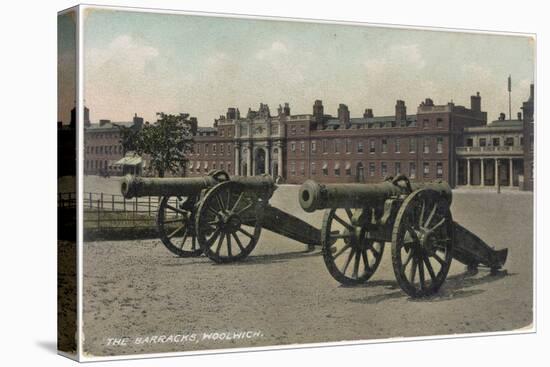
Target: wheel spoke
193,242
350,256
438,224
429,267
411,230
243,209
239,243
439,260
412,272
342,222
228,205
212,239
172,221
176,231
341,251
183,240
213,211
339,236
408,259
421,273
220,202
430,217
245,232
228,245
235,206
168,206
349,213
356,265
366,260
220,242
422,213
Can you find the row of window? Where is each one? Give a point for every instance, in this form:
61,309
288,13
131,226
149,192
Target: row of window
104,149
198,166
112,135
385,169
219,148
347,145
99,164
483,142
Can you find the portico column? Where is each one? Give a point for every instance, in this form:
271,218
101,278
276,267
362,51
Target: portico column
249,160
482,173
280,160
468,171
511,174
496,173
237,159
267,160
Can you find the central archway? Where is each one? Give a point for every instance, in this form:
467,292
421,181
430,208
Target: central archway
259,161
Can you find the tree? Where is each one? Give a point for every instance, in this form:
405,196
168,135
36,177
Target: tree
167,142
129,138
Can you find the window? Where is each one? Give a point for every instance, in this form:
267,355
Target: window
303,129
337,169
348,145
302,168
469,142
313,169
509,142
325,169
439,123
214,165
439,170
360,147
372,146
384,145
228,167
482,142
222,149
214,148
426,169
337,146
397,145
397,168
293,168
412,170
412,145
325,145
439,147
221,131
383,169
313,146
372,169
426,123
348,168
426,145
302,146
206,148
293,130
293,146
496,142
228,148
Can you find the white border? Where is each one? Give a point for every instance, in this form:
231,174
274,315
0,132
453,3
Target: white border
80,93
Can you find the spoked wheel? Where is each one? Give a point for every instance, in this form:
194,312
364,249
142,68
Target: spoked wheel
176,225
228,222
422,243
350,256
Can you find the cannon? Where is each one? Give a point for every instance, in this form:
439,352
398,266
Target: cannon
414,217
219,215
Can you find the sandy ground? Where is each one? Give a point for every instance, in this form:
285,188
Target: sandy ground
283,295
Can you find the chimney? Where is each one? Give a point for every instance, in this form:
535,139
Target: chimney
193,123
102,122
368,113
343,114
502,116
286,109
475,103
86,116
400,111
138,121
231,113
531,92
318,110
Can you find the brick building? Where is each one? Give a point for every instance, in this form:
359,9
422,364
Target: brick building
102,147
338,148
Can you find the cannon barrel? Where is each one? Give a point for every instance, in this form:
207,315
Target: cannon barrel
315,196
133,186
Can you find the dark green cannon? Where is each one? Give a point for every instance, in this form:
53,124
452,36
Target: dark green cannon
414,217
219,215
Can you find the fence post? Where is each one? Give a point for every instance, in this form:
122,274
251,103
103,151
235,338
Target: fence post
98,215
91,204
149,205
101,200
136,205
113,202
124,203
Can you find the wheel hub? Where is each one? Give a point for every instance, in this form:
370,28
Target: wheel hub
229,222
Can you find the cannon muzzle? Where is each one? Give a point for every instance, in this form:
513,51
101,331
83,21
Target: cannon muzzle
315,196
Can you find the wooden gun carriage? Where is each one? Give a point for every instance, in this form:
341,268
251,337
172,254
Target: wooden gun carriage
414,217
219,215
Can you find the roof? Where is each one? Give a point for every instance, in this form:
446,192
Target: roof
129,161
334,122
506,123
497,125
109,125
206,129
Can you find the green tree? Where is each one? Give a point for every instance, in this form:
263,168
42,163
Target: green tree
168,141
129,137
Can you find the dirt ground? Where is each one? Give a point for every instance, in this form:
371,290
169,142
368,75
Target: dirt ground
139,298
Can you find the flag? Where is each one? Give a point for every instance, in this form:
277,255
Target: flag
509,83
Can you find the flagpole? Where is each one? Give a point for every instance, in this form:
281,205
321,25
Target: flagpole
509,97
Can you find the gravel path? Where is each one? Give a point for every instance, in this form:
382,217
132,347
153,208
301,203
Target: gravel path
137,291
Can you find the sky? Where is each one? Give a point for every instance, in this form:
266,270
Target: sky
145,63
